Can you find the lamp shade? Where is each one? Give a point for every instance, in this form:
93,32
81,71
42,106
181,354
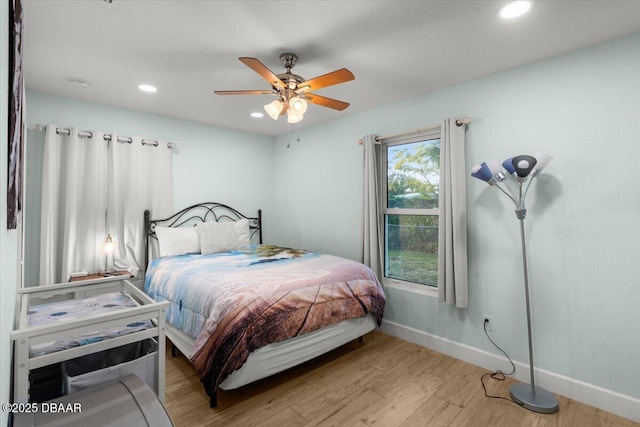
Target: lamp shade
523,165
297,105
494,166
108,246
508,165
543,161
274,109
482,172
293,117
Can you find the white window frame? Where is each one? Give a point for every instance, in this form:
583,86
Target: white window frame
401,139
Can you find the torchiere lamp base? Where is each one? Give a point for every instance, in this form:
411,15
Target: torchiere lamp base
543,401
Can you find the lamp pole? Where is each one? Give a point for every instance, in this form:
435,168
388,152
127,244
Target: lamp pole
521,214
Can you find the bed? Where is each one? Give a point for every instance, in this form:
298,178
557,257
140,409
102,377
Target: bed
61,322
252,310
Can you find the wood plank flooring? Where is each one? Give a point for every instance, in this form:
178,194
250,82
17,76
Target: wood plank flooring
383,381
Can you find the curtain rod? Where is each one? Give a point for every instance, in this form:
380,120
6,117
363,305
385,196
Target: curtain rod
107,137
459,122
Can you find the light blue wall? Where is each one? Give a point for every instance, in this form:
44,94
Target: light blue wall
8,238
210,163
583,223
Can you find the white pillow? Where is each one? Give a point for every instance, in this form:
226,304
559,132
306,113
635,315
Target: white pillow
178,241
216,237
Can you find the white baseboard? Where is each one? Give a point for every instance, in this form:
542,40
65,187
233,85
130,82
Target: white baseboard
608,400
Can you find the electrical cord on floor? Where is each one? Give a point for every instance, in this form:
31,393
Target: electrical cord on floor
497,375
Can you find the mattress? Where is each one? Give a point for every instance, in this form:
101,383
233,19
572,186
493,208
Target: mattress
51,313
277,357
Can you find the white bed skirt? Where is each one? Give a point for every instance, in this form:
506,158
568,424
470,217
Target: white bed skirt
277,357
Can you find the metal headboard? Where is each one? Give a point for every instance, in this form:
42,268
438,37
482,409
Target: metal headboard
201,212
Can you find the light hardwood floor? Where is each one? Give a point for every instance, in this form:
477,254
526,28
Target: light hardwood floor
383,381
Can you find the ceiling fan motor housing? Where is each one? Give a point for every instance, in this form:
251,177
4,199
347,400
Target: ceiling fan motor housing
291,80
288,60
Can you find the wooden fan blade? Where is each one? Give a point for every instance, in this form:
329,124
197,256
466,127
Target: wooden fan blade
243,92
335,77
326,102
263,71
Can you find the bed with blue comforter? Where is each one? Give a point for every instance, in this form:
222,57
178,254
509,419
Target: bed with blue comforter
232,303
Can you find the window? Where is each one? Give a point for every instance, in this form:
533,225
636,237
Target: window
411,178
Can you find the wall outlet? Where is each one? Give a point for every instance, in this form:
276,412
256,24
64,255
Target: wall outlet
487,322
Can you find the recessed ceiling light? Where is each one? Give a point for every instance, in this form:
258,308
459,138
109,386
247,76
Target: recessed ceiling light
515,8
148,88
257,115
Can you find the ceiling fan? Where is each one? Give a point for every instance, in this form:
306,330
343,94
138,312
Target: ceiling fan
293,91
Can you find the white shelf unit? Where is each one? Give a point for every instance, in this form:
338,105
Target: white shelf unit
23,337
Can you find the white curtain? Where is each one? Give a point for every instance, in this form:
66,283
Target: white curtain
92,188
141,179
452,233
371,237
73,204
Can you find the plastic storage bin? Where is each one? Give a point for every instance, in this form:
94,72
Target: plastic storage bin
138,358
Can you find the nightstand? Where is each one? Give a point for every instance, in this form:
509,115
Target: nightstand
101,275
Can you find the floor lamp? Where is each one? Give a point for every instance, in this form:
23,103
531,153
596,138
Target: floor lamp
520,170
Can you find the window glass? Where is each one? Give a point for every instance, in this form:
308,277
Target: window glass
411,248
413,174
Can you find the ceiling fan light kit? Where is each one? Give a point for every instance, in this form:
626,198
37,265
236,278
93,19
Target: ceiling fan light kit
274,109
298,105
294,118
293,91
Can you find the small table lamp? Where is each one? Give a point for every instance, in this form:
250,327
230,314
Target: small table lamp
108,248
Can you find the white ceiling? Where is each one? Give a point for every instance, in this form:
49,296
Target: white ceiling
396,49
